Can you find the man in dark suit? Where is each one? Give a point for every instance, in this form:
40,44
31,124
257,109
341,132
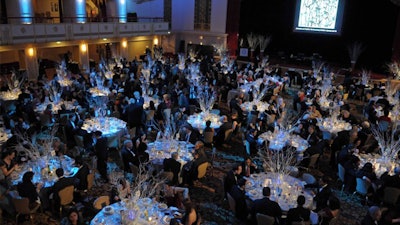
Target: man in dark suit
60,184
232,177
238,193
323,193
299,213
267,207
128,155
172,165
248,167
191,135
373,216
81,182
220,136
101,150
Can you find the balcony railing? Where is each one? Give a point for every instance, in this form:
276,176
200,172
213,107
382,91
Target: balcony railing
50,19
68,31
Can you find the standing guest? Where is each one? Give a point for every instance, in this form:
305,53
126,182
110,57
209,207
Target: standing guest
81,182
373,216
140,147
238,193
351,168
323,193
101,150
249,167
172,165
267,207
299,213
232,177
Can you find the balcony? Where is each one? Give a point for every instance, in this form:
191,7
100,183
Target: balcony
11,34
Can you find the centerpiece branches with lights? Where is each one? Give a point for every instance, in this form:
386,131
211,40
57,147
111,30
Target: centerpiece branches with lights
355,49
389,143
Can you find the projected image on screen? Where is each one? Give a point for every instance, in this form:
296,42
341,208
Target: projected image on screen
318,16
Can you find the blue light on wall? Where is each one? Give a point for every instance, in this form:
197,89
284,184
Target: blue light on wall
26,11
121,8
80,11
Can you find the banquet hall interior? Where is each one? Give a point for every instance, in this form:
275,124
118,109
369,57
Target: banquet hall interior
200,112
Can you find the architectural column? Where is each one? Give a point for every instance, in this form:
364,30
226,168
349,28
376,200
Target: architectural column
19,11
396,40
31,63
74,11
84,57
232,26
124,49
117,10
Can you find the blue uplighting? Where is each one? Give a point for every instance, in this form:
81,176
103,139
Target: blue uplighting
26,11
122,11
81,11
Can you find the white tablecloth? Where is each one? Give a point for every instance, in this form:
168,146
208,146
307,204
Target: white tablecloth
111,127
128,212
284,189
69,105
198,120
381,165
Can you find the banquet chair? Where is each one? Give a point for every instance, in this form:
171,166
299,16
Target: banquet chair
247,147
308,178
232,203
21,206
208,139
213,154
202,170
391,195
362,187
66,197
263,219
314,161
341,174
228,135
101,202
90,180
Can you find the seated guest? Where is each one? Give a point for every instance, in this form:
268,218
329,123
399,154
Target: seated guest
72,218
172,165
232,177
220,136
238,193
190,134
124,188
299,213
5,201
81,182
252,139
248,167
174,196
140,147
329,212
367,172
7,162
373,216
267,207
127,155
29,190
60,184
351,168
190,170
391,181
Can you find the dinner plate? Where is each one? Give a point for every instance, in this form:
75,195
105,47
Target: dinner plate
253,192
166,219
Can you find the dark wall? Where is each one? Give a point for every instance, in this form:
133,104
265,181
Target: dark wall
372,22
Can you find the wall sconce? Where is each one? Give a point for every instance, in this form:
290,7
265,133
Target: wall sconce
155,41
83,47
124,44
30,52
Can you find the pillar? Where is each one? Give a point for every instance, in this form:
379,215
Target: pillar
84,57
19,11
116,9
124,49
74,11
31,63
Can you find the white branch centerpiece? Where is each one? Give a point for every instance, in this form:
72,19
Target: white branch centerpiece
317,66
206,99
253,41
263,42
365,77
62,75
394,68
355,49
389,144
14,87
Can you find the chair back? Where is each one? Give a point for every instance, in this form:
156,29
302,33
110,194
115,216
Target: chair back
202,170
247,146
313,161
134,169
228,134
263,219
79,140
21,205
232,202
391,195
90,180
150,115
341,172
362,186
66,195
208,137
308,178
101,202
